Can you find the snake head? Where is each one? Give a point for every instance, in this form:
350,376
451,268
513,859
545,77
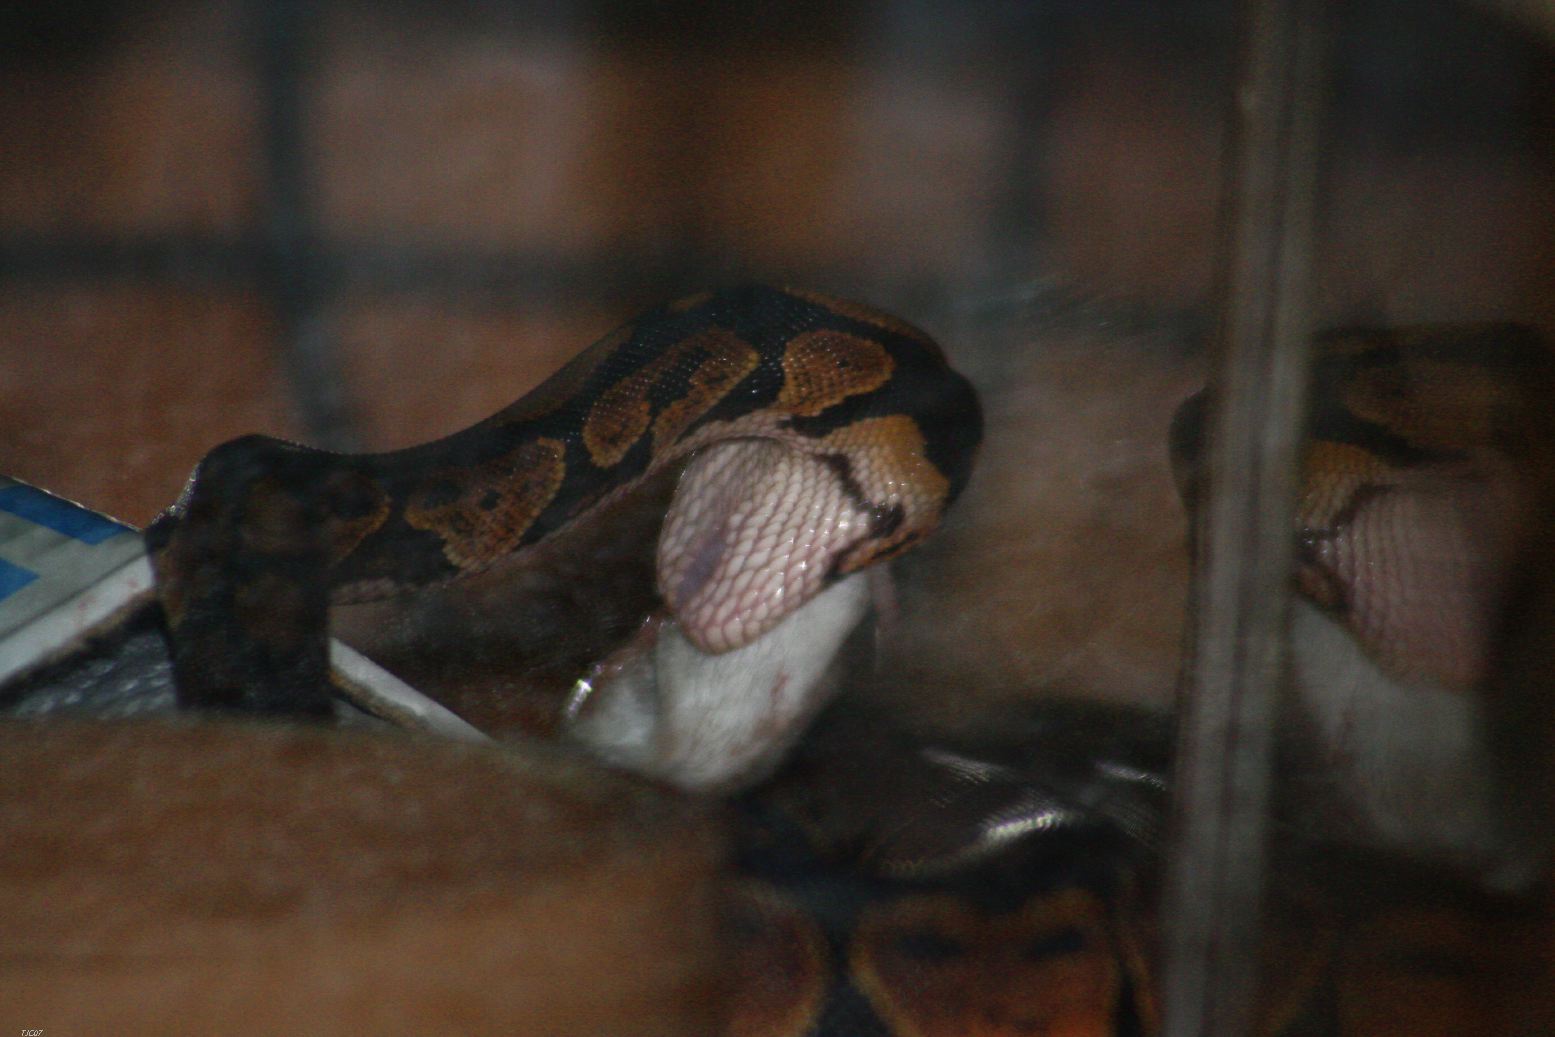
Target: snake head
1415,492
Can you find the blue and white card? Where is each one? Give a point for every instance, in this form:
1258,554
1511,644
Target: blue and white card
64,571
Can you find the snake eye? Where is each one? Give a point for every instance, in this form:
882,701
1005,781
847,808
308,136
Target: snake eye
926,945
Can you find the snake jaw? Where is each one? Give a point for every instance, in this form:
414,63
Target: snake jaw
755,563
751,564
756,530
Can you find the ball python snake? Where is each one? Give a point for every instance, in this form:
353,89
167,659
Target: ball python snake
820,437
1415,494
1405,427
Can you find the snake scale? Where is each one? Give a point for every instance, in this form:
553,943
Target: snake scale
1038,920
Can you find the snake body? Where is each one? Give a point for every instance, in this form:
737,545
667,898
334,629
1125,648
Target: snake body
824,437
990,884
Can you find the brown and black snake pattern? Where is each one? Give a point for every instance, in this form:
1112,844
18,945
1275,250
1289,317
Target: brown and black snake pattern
268,534
991,885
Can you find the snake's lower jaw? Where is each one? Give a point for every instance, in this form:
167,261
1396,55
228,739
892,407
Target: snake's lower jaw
710,699
756,529
704,722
